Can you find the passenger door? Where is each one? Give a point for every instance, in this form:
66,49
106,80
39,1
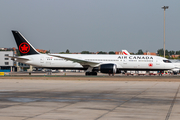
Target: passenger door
42,60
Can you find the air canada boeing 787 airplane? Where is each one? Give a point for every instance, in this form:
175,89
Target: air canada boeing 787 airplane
92,63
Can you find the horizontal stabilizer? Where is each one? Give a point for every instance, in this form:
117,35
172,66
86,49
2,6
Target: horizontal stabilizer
17,58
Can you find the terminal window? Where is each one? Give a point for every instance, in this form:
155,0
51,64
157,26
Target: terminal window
6,63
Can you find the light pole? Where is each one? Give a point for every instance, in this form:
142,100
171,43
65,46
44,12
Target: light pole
164,7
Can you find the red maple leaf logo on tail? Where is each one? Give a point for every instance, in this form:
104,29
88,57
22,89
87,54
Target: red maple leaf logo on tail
24,47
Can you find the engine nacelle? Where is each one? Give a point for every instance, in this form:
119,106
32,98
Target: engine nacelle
108,68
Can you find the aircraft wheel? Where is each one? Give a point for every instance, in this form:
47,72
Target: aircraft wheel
87,73
91,73
94,73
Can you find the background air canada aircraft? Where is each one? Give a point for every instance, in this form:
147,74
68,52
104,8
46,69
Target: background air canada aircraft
125,52
92,63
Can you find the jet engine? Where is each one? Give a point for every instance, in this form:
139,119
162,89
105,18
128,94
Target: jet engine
108,68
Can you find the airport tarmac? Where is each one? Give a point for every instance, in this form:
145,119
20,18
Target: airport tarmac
30,99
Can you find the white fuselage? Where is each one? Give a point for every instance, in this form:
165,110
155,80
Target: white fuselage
124,62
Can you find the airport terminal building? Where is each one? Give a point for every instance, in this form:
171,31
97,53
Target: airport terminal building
6,64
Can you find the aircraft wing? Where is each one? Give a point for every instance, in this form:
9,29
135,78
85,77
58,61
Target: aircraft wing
80,61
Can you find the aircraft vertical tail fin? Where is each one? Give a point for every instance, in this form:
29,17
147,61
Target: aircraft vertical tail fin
125,52
25,48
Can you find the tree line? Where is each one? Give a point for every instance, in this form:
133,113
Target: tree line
160,52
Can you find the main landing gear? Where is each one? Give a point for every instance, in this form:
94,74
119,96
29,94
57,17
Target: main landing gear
161,72
111,74
91,73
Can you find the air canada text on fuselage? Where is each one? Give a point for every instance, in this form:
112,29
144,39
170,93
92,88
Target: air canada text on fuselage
135,57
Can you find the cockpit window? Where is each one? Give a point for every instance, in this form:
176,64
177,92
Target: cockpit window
167,61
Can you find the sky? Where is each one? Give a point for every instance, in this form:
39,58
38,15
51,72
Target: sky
91,25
